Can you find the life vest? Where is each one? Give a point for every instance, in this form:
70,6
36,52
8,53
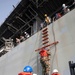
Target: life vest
43,53
25,73
55,74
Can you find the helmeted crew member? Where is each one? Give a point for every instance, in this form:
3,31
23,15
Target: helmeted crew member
55,72
44,59
26,35
64,8
34,74
27,71
47,19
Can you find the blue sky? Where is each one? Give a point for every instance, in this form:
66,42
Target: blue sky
6,8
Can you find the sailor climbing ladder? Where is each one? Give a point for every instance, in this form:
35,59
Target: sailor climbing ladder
44,51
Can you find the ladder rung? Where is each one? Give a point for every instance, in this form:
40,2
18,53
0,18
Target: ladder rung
45,39
44,30
44,36
45,42
47,45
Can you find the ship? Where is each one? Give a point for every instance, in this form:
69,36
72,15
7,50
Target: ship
57,36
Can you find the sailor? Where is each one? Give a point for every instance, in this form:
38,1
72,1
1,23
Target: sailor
22,38
34,74
64,8
17,41
55,72
27,71
44,59
26,35
47,19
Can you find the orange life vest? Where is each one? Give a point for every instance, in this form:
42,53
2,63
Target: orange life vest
25,73
43,53
55,74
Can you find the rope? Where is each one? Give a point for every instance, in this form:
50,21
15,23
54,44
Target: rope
55,53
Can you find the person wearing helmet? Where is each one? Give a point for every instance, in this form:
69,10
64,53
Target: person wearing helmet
26,35
27,71
55,72
47,19
42,25
64,8
44,60
34,74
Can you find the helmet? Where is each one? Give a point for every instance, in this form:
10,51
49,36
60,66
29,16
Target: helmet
45,15
28,69
25,32
63,5
55,70
34,74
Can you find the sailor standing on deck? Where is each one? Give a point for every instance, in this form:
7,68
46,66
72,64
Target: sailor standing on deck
47,19
26,35
17,41
55,72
